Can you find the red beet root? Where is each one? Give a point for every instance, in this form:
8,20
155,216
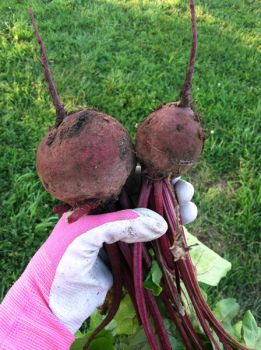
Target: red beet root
86,158
169,141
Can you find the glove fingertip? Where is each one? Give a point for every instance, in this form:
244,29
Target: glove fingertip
188,212
154,223
184,191
175,180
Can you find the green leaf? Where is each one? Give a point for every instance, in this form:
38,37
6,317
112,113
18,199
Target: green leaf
226,310
103,340
238,330
137,341
190,309
209,265
217,341
95,320
153,279
174,336
258,340
125,321
251,332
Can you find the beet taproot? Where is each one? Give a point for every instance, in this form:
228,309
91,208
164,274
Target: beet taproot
171,139
86,158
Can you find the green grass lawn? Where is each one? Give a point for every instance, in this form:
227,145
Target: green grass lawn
126,58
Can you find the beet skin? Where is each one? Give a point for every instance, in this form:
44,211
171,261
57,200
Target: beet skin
86,159
169,141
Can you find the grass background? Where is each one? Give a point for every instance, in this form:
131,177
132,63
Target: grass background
126,58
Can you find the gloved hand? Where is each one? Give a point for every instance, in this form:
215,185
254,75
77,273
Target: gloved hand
66,280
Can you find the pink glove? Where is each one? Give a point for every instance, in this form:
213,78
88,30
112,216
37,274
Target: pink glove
66,280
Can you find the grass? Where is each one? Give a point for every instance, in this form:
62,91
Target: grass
125,58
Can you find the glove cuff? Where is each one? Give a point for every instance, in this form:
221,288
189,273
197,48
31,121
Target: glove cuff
26,321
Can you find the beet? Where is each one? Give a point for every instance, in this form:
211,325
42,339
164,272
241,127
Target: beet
171,139
86,158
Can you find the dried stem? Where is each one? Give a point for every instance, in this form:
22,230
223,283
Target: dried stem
60,111
185,94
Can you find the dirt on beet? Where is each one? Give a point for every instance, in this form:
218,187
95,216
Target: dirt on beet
88,157
169,141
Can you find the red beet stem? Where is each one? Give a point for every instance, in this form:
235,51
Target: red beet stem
158,200
128,284
163,240
125,251
170,289
198,309
192,333
60,111
140,298
144,194
124,200
218,328
152,305
80,211
114,258
177,322
158,322
61,208
163,253
185,94
171,219
172,209
170,283
138,275
188,272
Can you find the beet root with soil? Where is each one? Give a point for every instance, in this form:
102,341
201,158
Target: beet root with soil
86,158
169,141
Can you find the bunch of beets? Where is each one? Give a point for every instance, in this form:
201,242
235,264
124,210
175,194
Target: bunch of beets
85,161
